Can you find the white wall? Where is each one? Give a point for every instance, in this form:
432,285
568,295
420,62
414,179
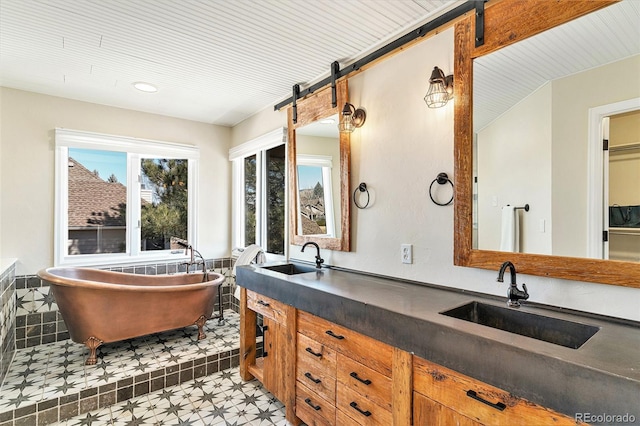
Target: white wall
398,152
28,121
573,96
514,167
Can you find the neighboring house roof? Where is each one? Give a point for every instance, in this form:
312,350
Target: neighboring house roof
310,227
93,201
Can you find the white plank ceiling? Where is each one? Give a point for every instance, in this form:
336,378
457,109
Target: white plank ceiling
504,78
214,61
221,61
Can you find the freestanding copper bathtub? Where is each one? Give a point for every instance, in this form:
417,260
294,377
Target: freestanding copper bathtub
103,306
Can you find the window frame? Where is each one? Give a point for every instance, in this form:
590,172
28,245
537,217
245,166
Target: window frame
325,163
136,150
258,147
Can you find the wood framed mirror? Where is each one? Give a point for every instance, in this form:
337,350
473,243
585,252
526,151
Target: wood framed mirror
319,170
507,23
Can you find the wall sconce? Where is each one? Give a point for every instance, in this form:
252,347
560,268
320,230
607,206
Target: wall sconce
352,118
440,89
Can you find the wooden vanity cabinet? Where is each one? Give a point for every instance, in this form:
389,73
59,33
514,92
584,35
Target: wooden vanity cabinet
442,397
343,377
273,369
326,374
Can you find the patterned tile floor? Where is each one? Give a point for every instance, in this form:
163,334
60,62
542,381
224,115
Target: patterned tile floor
44,373
215,400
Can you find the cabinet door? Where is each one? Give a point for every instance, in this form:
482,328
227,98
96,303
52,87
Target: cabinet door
273,379
427,412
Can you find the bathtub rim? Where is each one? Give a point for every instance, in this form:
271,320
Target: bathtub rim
48,274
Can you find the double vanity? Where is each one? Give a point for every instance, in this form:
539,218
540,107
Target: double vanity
342,347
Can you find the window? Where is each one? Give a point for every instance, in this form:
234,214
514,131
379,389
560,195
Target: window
315,212
121,199
259,193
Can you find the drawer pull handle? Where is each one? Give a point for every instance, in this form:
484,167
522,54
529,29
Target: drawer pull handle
355,376
263,303
332,334
310,377
359,410
498,405
313,353
315,407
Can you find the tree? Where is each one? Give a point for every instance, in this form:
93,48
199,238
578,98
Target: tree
167,216
112,179
275,200
250,200
318,191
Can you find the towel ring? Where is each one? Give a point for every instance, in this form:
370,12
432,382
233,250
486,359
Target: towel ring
441,179
362,188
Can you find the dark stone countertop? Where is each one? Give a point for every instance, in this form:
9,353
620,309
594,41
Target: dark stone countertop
601,377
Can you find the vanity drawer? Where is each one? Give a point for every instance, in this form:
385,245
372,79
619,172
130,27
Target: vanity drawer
360,410
267,307
479,401
374,354
318,377
312,409
372,385
317,354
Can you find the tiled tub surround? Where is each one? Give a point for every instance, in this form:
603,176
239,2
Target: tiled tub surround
7,315
50,383
38,321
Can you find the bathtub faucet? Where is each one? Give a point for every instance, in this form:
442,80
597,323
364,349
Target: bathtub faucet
188,248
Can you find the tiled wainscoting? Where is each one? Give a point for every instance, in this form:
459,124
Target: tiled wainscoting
7,318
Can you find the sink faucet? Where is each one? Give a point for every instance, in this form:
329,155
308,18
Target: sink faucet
319,260
514,294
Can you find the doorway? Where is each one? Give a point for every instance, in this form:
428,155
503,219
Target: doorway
622,187
607,187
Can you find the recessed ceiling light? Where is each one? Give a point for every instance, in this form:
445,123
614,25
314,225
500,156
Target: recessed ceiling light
145,87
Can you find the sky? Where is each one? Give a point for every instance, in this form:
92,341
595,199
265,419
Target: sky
309,176
105,162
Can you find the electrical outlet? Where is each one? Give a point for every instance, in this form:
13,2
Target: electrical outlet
407,253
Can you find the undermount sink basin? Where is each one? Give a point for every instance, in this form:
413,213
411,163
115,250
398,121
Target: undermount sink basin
290,268
553,330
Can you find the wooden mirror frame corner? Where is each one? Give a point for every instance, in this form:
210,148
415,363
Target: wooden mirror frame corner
507,22
312,108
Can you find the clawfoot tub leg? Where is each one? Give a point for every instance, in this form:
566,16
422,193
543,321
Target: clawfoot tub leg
200,323
92,343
